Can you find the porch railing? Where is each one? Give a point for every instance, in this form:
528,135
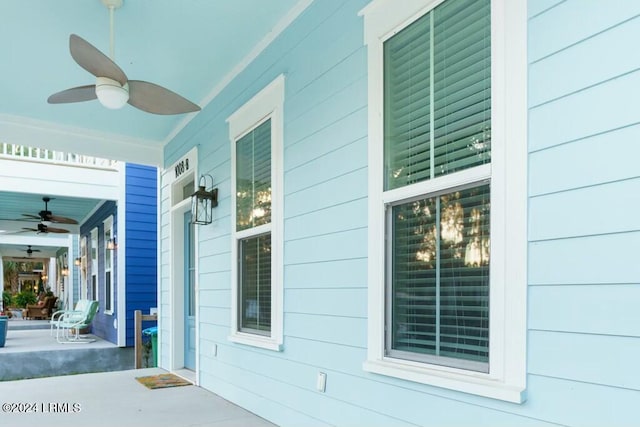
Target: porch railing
21,152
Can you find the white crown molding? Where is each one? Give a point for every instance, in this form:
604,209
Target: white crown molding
286,20
53,136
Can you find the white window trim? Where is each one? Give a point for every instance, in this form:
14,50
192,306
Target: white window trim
108,226
506,379
268,103
93,239
84,278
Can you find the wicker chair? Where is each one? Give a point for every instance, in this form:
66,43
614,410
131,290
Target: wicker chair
44,311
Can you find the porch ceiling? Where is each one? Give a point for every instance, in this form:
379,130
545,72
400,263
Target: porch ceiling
188,47
14,240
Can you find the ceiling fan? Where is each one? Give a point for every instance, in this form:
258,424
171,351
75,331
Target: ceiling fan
43,229
30,251
113,89
48,216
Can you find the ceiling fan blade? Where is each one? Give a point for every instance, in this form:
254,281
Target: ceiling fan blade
61,219
155,99
75,94
94,61
29,216
55,230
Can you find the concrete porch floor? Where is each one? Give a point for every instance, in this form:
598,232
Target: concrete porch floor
104,398
30,352
118,399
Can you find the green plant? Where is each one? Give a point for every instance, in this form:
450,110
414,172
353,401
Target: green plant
6,299
23,298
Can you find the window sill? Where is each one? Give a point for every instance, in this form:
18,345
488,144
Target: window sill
109,312
471,382
267,343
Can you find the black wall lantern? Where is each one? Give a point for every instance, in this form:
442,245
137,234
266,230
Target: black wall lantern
112,244
203,201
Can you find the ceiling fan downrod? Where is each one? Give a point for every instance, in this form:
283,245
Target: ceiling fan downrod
112,5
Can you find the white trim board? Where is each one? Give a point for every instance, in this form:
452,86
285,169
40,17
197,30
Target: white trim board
300,7
53,136
506,379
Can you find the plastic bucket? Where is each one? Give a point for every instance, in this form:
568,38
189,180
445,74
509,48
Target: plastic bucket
152,333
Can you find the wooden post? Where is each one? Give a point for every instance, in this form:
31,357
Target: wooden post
138,318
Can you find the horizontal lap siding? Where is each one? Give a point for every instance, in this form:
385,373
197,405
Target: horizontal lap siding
584,187
141,241
325,233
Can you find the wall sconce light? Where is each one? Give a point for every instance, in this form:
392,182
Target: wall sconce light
76,261
112,244
203,201
65,271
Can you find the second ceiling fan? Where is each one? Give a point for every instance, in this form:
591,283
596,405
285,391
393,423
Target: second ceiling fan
30,251
47,216
113,89
44,229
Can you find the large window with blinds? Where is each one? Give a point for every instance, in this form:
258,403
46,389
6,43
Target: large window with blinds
109,291
94,263
447,193
437,122
253,216
255,131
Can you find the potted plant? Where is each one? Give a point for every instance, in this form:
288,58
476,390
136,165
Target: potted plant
6,303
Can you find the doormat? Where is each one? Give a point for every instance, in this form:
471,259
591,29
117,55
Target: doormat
162,381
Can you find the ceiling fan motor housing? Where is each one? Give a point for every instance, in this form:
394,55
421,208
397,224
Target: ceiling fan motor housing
110,93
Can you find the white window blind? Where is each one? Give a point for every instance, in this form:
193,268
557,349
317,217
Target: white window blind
437,79
253,178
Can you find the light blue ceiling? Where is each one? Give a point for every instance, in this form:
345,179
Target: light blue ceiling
187,46
14,205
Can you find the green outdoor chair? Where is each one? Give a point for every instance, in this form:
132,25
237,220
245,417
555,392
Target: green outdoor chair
69,323
77,311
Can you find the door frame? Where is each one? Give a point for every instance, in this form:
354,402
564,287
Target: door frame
179,205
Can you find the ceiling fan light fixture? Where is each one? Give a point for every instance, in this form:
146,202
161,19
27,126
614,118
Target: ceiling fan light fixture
111,94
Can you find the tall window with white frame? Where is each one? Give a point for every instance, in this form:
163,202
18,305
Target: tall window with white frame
108,267
437,122
253,229
447,245
83,267
94,263
256,137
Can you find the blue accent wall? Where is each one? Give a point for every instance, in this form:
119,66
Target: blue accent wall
141,242
103,323
584,182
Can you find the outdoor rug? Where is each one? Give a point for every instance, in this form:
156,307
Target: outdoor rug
162,381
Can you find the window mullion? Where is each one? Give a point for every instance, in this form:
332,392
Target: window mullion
438,217
432,126
253,172
439,184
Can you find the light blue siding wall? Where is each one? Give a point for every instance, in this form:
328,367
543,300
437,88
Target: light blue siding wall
583,323
584,86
